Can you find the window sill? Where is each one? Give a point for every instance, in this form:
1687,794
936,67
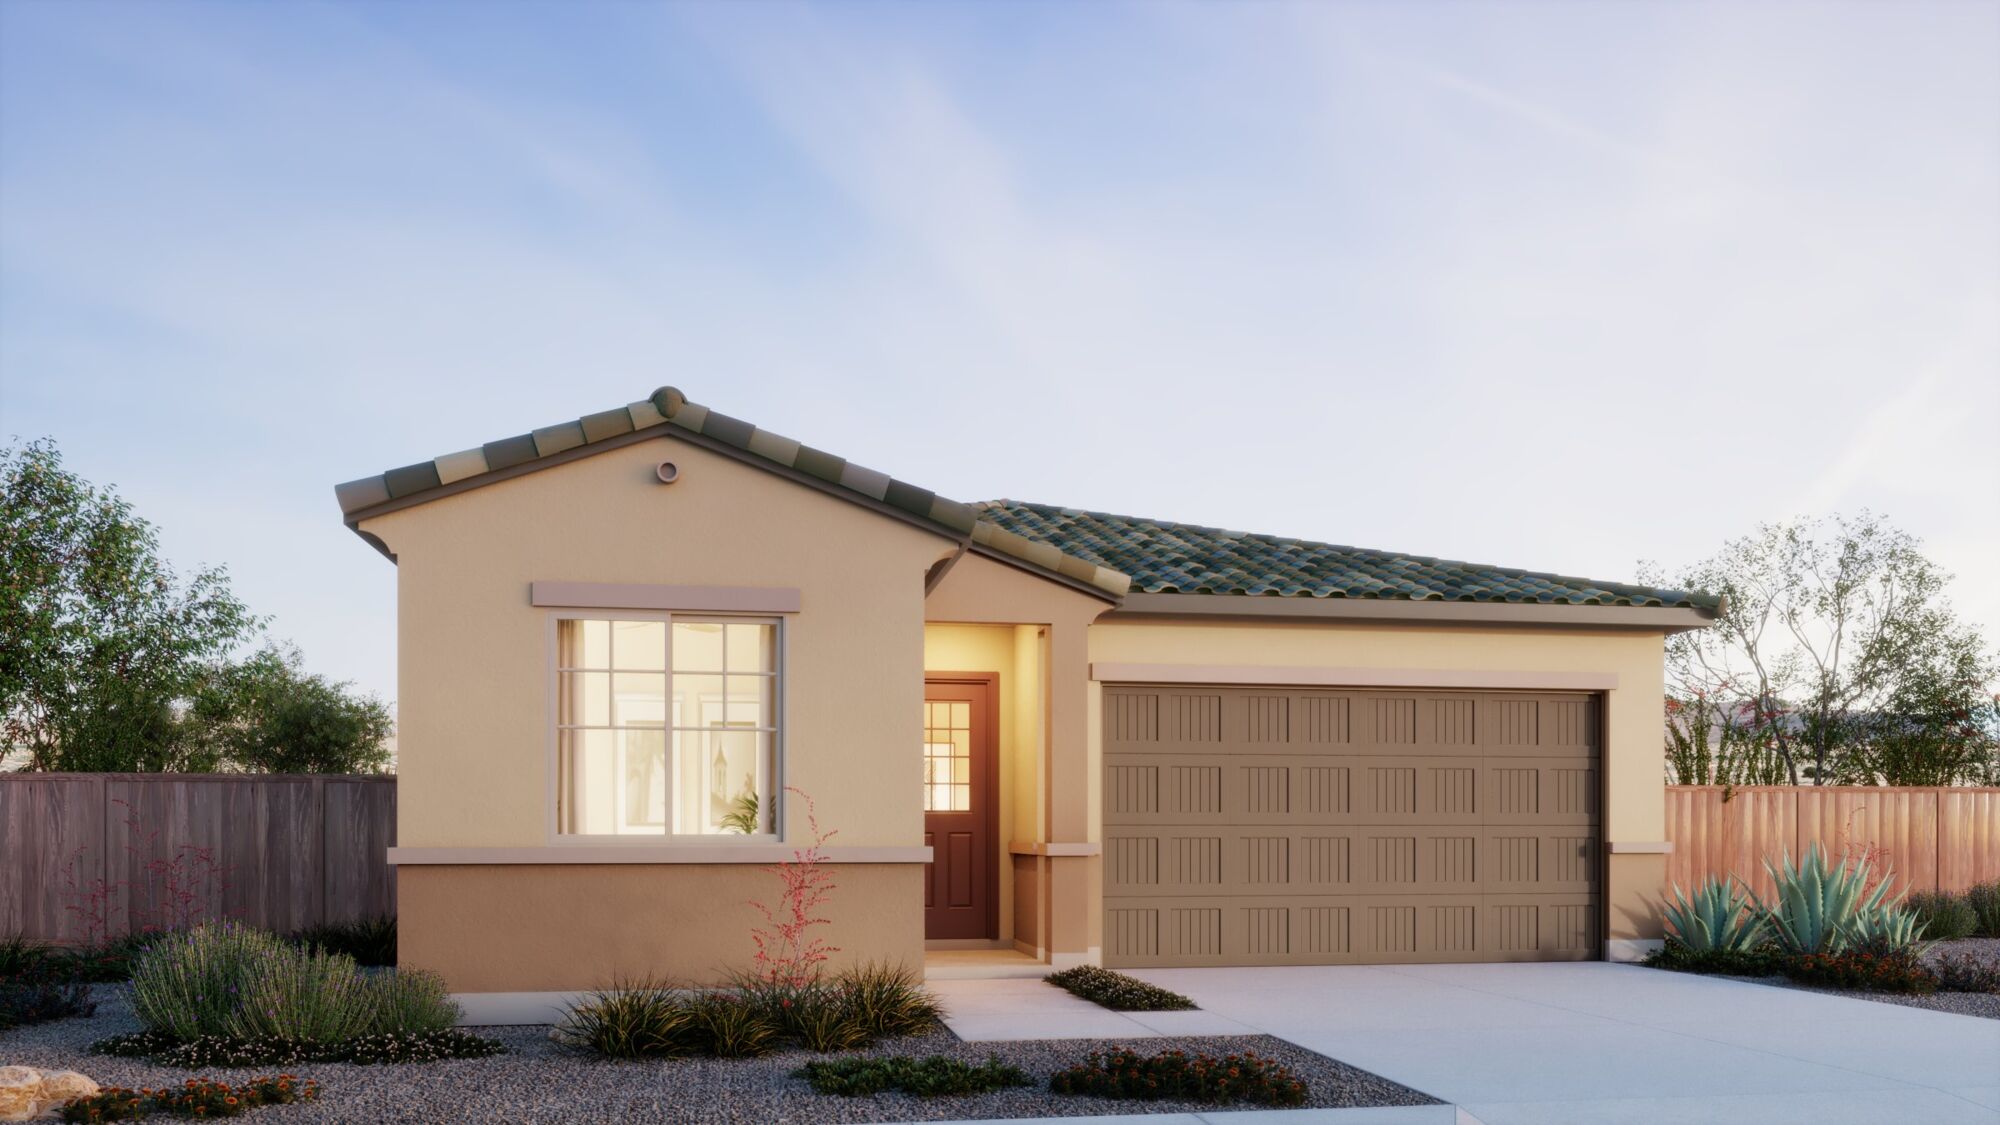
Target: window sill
650,853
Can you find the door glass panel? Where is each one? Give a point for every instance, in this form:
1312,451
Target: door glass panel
947,757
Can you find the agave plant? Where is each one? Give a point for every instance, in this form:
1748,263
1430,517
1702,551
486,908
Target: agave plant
1819,902
1888,929
1719,917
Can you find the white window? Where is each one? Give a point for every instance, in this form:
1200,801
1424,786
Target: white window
666,726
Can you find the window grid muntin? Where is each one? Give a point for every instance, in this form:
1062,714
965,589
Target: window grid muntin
769,702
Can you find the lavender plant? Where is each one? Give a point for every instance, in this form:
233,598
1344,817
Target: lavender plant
190,983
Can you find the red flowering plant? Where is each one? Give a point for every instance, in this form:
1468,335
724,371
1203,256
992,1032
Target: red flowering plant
790,954
197,1097
1123,1074
173,891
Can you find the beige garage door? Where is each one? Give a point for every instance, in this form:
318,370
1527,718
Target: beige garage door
1280,826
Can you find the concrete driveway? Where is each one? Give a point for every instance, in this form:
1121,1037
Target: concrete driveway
1583,1043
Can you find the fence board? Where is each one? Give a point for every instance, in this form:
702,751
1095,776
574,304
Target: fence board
293,850
1932,838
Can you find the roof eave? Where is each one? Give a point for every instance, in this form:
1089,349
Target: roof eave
669,431
1667,619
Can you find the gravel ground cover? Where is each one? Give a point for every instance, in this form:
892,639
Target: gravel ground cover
1985,1005
541,1084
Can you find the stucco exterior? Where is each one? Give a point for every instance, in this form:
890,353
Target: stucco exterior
475,690
496,900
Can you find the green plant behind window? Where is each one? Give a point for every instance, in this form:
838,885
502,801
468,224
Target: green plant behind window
742,817
1719,917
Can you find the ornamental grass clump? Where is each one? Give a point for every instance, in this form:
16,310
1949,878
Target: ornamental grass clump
639,1019
302,995
409,1001
222,994
1944,916
889,1000
649,1019
1984,899
370,941
1123,1074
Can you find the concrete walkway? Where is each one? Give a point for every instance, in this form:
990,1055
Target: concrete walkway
1591,1044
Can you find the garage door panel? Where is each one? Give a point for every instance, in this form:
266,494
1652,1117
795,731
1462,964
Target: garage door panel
1243,788
1253,861
1539,790
1333,930
1248,826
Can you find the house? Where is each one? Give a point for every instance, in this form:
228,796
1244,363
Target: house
629,643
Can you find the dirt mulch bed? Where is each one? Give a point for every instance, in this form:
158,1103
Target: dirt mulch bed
1985,1005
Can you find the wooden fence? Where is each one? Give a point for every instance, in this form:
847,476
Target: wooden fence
1932,838
112,851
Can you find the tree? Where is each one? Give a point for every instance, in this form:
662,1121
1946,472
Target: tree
99,639
1837,658
268,715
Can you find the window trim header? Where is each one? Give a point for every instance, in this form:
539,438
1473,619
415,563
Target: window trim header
684,599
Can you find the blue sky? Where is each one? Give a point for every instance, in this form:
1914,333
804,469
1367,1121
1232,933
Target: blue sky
1561,286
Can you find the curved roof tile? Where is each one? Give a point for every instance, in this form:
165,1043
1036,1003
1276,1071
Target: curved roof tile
1177,558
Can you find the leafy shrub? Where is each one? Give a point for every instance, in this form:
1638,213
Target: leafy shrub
1124,1074
1719,917
1763,961
889,1000
1943,915
930,1077
370,941
1820,902
19,956
1985,902
225,1051
634,1020
39,995
1116,991
111,960
199,1097
1873,972
1963,972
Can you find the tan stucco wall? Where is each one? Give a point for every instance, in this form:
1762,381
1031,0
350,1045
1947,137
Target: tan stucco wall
1634,779
473,687
521,928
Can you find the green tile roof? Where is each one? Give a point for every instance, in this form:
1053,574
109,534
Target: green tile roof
1178,558
668,409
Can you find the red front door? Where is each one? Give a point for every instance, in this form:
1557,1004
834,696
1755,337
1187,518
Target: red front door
962,884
